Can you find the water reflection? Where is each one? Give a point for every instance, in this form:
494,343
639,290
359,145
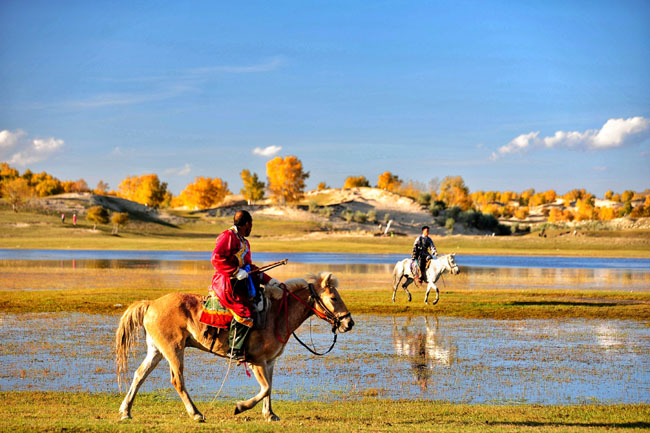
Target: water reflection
419,340
446,358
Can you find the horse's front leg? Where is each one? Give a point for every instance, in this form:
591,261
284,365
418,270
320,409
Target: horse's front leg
267,411
426,297
260,373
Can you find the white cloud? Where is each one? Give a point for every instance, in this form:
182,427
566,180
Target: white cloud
183,171
267,151
17,149
614,133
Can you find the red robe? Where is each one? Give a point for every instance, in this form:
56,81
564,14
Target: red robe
232,252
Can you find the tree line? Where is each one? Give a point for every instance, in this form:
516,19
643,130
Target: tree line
285,184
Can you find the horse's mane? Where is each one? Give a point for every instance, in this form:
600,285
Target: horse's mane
320,279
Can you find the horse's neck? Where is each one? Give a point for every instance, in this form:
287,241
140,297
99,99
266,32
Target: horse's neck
298,312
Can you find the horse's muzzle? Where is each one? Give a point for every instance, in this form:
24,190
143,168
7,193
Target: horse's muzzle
345,324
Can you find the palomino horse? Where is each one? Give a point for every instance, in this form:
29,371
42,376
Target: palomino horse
171,324
435,268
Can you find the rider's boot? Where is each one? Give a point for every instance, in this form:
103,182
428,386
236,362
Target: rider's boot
236,339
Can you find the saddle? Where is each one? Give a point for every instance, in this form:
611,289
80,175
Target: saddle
216,315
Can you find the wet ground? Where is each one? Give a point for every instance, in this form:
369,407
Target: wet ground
450,359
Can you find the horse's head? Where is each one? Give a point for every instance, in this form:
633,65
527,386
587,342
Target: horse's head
452,266
331,306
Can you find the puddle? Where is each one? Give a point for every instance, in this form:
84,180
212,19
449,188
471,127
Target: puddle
450,359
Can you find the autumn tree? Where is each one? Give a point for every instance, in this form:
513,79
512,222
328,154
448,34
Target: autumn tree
75,186
97,215
389,181
119,219
203,193
321,186
286,179
146,189
627,196
253,187
454,192
101,188
16,192
7,172
608,195
355,182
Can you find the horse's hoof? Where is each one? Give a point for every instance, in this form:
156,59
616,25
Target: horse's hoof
199,418
237,409
273,417
125,416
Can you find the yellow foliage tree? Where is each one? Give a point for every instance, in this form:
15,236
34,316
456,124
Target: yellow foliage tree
389,181
253,187
16,192
355,182
606,213
203,193
321,186
521,213
286,179
454,192
146,189
608,194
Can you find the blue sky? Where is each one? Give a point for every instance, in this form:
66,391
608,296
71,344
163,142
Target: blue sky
508,95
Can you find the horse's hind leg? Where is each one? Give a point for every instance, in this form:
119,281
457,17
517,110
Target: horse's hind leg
395,286
260,372
408,281
175,359
150,362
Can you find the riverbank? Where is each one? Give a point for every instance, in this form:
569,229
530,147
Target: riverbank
29,230
78,411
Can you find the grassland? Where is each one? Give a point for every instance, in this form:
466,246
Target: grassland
84,412
36,230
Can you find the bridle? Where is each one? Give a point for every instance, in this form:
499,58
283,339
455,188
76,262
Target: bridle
322,312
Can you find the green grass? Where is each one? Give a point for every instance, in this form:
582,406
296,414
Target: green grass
84,412
34,230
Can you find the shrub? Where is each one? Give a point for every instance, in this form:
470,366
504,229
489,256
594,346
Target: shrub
449,224
360,217
372,216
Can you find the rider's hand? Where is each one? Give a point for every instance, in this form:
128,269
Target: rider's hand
241,274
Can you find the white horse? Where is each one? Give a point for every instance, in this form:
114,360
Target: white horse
435,268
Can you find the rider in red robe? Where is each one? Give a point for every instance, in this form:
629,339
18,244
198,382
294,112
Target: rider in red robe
232,283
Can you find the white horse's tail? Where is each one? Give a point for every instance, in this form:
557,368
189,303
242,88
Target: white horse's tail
397,273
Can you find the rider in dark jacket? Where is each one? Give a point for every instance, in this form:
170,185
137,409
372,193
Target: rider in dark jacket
422,248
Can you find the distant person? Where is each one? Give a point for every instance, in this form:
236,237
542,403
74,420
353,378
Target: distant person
63,218
74,219
233,283
423,248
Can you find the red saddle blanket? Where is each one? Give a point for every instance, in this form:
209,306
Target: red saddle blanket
214,314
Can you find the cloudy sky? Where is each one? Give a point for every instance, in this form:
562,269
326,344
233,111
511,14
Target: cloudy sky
509,95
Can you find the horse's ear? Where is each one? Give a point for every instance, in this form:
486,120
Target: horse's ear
326,280
453,254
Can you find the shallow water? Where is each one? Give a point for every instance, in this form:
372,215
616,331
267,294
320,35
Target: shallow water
450,359
151,258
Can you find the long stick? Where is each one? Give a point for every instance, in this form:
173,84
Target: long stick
270,266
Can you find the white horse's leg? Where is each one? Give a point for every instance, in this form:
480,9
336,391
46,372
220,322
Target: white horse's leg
265,389
426,297
408,281
267,411
150,362
396,285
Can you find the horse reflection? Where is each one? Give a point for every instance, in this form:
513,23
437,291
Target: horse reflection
424,347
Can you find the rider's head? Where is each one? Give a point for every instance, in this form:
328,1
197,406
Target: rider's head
425,231
244,222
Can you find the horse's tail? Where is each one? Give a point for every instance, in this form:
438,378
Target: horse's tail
397,273
126,336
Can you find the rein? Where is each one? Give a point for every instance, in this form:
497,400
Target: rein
326,315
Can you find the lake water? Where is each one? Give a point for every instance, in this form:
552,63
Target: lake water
432,358
447,359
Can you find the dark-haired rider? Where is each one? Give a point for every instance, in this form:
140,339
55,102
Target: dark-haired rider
234,282
423,247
